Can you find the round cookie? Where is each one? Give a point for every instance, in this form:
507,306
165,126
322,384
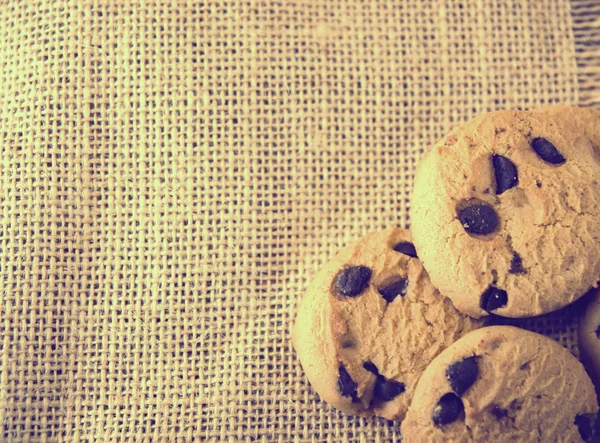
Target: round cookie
370,323
506,211
589,337
502,384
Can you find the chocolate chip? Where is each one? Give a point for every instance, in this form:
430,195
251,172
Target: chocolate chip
506,173
386,390
406,248
547,151
516,404
479,219
493,298
462,374
498,412
346,386
369,366
584,424
524,366
598,331
448,409
391,291
352,281
516,265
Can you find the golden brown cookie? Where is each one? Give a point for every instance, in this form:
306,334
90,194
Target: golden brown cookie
370,323
502,384
506,211
589,337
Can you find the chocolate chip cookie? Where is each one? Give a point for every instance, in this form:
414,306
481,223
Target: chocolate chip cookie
370,323
589,337
502,384
506,211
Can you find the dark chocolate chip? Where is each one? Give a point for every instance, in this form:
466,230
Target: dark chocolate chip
346,386
493,298
369,366
386,390
538,183
406,248
524,366
506,173
598,331
448,409
462,374
391,291
584,424
479,219
498,412
516,404
547,151
516,265
352,281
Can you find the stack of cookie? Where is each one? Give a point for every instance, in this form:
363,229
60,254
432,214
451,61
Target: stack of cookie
505,221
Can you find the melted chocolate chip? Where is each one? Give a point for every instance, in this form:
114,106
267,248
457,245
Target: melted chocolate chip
386,390
516,265
479,219
547,151
391,291
406,248
462,374
448,409
369,366
584,424
353,280
493,298
506,173
498,412
346,386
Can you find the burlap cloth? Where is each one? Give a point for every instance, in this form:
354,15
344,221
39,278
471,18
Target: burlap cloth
173,174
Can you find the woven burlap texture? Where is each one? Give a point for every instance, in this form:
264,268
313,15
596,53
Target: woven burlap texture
173,173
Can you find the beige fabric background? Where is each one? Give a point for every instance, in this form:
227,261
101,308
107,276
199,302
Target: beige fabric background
174,172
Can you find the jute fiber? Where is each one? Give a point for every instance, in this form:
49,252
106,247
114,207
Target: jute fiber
173,173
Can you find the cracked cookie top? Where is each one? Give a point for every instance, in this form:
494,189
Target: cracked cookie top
502,384
506,211
370,323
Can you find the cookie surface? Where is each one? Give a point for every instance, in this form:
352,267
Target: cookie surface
502,384
506,211
370,323
589,337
